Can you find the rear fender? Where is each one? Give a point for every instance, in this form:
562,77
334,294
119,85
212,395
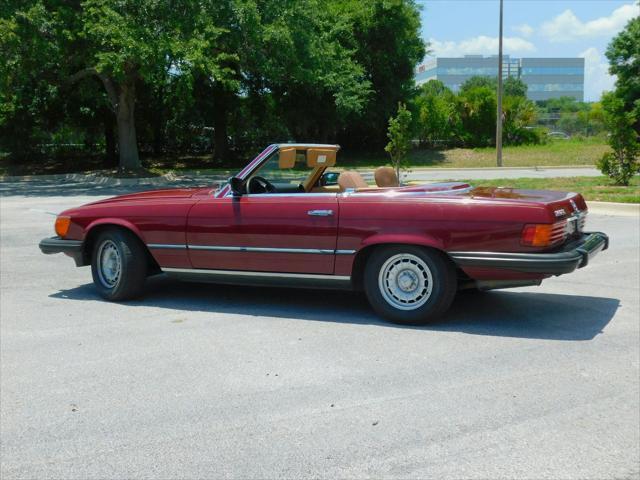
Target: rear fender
405,239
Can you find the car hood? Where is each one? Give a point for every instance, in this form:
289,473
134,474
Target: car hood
168,193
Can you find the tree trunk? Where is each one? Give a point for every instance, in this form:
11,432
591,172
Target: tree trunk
127,141
109,138
158,122
221,142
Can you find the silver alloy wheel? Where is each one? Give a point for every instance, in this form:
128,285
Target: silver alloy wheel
109,264
405,281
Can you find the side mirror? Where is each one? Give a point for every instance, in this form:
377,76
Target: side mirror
329,178
237,186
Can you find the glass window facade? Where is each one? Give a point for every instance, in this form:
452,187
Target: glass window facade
546,77
555,87
552,71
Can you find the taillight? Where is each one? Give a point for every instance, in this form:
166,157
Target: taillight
543,234
62,225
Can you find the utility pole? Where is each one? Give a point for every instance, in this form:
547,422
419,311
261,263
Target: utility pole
499,115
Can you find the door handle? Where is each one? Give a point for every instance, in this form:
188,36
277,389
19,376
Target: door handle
320,213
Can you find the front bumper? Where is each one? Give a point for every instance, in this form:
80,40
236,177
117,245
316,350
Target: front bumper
73,248
572,255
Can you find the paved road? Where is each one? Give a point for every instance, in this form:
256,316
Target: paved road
234,382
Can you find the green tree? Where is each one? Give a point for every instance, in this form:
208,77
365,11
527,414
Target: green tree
624,61
478,114
510,86
478,81
438,118
128,41
385,38
399,135
515,87
519,116
623,162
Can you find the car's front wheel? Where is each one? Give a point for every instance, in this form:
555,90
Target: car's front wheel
118,265
409,285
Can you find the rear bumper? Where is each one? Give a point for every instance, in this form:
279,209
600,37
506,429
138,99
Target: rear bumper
569,257
73,248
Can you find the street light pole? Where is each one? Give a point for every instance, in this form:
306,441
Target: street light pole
499,115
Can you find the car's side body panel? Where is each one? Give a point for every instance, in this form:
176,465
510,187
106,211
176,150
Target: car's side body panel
269,233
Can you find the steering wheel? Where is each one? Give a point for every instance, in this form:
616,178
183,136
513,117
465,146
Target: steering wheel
259,184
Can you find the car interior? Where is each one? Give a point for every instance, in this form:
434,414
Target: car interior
306,170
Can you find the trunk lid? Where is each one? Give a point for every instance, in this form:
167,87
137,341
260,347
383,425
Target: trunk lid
560,205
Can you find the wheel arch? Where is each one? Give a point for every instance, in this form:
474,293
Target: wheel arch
363,254
96,228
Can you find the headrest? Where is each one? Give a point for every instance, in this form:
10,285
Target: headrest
349,179
386,177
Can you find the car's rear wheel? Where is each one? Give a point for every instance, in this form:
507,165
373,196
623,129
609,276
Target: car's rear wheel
409,285
118,265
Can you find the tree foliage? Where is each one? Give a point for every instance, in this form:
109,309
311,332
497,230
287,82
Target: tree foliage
623,54
621,108
399,135
438,113
203,76
622,163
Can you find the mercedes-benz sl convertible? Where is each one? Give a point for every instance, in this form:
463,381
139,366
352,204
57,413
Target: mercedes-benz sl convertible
288,219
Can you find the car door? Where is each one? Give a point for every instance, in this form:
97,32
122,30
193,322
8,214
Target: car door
288,233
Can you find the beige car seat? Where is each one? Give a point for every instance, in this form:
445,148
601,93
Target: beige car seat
386,177
350,179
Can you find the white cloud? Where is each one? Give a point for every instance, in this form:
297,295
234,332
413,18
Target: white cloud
480,45
596,74
525,30
567,27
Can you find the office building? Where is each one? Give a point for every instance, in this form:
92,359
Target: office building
545,77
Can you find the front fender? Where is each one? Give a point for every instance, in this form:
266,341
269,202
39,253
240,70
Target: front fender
114,221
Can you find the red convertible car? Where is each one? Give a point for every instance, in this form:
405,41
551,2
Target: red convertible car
287,219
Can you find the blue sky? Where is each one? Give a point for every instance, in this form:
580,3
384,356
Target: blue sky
532,28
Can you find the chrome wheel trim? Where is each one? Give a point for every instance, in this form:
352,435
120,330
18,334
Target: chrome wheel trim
109,264
405,281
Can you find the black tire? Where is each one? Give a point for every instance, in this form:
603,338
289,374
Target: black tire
411,265
132,260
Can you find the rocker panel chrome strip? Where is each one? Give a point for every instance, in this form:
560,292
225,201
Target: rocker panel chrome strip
241,273
313,251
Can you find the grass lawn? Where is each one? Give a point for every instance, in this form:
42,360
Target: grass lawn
598,189
554,153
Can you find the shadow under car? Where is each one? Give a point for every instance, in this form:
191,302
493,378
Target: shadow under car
496,313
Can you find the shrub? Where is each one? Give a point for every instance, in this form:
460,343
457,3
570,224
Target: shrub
622,163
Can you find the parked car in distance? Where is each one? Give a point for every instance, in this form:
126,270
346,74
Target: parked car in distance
290,219
560,135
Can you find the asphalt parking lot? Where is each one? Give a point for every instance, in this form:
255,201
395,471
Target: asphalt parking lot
196,381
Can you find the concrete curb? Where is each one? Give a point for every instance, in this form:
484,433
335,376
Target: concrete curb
614,208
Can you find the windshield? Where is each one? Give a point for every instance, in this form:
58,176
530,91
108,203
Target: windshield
276,172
